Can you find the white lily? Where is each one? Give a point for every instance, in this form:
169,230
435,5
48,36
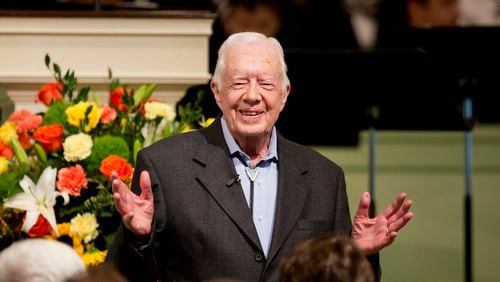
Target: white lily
38,199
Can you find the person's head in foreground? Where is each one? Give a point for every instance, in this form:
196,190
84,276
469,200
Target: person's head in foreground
40,260
326,258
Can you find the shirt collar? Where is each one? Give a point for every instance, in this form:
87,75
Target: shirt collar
234,148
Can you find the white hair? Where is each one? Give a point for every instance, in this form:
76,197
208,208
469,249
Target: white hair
37,260
245,38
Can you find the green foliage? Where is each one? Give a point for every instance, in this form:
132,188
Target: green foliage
9,185
104,146
55,114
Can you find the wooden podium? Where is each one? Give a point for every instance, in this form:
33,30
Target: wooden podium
169,48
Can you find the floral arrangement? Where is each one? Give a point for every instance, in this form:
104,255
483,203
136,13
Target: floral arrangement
55,166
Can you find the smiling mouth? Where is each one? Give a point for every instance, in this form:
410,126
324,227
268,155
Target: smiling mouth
250,113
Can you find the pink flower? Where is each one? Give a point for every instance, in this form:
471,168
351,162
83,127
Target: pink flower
71,180
25,120
108,114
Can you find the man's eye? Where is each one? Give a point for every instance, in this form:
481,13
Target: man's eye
267,86
238,85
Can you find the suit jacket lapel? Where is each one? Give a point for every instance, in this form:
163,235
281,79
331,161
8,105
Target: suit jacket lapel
292,194
218,170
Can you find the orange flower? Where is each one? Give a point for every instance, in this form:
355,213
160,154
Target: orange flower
41,228
50,137
50,92
116,163
71,180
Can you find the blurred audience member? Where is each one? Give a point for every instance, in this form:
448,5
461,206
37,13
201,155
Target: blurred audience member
263,16
297,24
433,13
40,260
327,258
480,12
104,272
396,16
363,16
317,24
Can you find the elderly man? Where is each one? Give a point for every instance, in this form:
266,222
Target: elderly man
232,200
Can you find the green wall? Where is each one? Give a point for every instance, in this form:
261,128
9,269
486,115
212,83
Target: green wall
429,166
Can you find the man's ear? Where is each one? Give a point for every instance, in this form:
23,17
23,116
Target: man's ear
215,90
286,92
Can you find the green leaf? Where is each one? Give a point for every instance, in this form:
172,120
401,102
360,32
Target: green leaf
149,91
56,114
139,95
40,153
21,155
57,70
136,148
9,185
83,95
47,60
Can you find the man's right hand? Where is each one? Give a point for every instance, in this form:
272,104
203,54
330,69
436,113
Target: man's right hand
136,211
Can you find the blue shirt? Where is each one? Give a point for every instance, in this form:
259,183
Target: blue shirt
265,185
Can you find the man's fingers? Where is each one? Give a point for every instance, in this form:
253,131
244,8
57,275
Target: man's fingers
145,184
401,212
400,223
120,204
363,206
395,206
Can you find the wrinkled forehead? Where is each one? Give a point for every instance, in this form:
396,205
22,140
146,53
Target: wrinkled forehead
254,55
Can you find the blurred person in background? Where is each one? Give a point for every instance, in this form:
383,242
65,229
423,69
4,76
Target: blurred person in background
326,258
396,16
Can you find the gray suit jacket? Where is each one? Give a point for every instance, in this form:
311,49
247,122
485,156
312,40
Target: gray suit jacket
202,226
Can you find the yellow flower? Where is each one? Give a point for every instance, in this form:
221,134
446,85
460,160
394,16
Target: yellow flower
85,226
65,230
77,147
94,257
206,123
157,109
187,128
4,165
8,131
76,115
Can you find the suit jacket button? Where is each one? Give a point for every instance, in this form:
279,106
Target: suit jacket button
258,257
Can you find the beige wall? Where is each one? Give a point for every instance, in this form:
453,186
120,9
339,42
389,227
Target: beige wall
169,50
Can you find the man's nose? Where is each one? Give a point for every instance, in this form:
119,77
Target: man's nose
252,93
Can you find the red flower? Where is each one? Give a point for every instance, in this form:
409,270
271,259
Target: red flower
25,140
71,180
118,164
41,228
116,99
50,137
50,92
6,150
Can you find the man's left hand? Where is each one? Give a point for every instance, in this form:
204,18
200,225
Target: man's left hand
373,234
